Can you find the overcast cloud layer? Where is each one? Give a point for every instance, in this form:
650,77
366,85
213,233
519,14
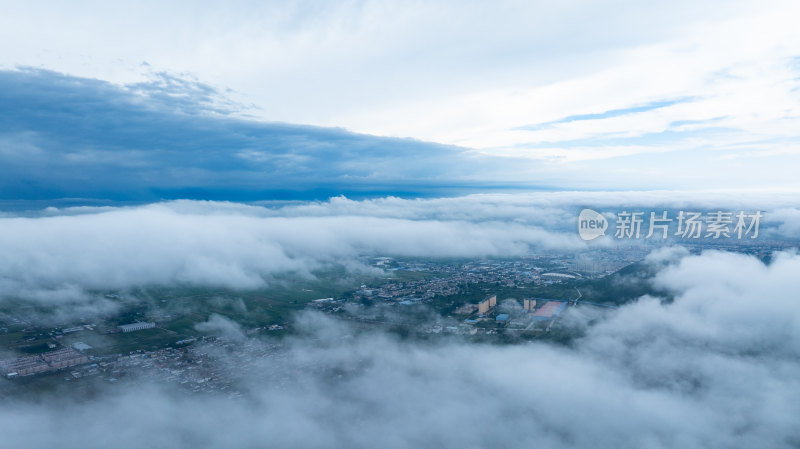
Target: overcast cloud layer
717,368
65,137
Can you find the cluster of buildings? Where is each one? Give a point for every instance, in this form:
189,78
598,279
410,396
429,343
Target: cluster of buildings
446,279
486,317
548,310
199,365
41,363
453,279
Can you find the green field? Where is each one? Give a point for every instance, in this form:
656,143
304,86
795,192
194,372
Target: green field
176,311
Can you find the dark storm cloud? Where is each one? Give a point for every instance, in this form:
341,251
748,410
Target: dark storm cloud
68,137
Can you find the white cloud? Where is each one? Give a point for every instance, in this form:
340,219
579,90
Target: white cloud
221,326
61,253
230,245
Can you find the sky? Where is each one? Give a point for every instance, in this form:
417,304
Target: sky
574,95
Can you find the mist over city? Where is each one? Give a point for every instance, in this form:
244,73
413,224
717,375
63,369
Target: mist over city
399,224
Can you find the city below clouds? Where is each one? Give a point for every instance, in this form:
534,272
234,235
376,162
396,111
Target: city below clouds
300,206
702,370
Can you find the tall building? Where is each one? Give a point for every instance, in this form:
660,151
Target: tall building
487,304
529,304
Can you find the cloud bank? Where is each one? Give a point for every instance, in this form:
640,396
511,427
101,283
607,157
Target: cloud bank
62,253
228,245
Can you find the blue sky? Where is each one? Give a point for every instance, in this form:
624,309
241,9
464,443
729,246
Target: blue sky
607,114
237,101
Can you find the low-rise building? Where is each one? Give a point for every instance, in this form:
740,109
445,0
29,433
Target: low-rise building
133,327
